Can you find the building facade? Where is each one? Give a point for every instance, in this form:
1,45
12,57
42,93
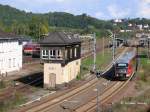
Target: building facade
10,53
60,53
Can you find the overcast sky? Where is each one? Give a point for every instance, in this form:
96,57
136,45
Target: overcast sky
102,9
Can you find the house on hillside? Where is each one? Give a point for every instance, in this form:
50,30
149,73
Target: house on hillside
10,53
61,55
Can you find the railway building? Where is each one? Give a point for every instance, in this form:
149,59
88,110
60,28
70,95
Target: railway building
10,53
61,56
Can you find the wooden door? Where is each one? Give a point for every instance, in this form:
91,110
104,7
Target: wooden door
52,80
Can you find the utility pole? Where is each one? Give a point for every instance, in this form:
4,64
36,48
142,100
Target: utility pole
97,98
148,46
97,73
137,57
103,47
94,52
113,42
114,45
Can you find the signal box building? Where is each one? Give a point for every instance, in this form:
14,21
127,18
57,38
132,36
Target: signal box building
10,53
60,53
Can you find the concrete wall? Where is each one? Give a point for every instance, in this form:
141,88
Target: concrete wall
10,56
63,74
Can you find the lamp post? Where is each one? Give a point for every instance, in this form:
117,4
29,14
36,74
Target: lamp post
97,99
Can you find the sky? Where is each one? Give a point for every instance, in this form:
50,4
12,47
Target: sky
101,9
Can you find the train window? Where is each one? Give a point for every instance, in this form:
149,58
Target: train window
121,65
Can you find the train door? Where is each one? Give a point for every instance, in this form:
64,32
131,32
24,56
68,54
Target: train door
52,80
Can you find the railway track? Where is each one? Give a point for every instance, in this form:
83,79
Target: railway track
51,102
9,92
103,97
48,108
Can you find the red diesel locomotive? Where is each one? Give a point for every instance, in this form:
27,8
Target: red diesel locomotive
31,49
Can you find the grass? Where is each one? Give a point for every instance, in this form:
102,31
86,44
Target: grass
16,100
142,86
129,104
143,74
5,84
101,61
2,84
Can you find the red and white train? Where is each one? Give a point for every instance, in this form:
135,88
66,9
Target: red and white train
32,49
125,66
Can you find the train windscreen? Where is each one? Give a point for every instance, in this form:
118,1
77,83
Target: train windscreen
121,68
122,65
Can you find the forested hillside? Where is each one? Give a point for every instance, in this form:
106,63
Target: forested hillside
20,22
35,24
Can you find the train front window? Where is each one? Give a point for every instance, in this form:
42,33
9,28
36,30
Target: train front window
121,68
121,65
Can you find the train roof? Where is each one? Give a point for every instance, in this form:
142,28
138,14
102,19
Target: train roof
126,57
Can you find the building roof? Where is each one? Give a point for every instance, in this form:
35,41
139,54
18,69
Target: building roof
60,38
6,36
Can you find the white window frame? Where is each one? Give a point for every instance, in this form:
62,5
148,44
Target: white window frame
14,64
51,54
75,52
59,54
56,55
70,53
9,63
45,54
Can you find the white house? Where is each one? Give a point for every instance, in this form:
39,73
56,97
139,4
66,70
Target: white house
10,53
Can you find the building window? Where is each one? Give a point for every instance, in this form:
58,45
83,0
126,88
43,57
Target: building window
66,54
70,53
75,52
52,54
45,54
0,64
9,63
58,53
55,54
14,62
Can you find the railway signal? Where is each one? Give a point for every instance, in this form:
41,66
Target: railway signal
98,74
